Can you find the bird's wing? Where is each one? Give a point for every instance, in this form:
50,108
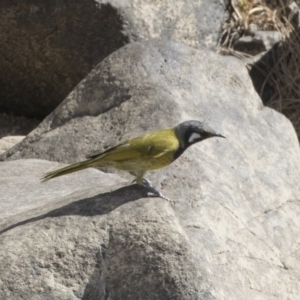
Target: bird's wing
150,145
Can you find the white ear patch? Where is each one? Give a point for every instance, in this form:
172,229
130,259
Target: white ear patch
193,137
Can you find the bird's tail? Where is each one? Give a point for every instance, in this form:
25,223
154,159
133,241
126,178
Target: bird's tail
69,169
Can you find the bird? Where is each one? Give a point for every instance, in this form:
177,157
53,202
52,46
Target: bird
150,151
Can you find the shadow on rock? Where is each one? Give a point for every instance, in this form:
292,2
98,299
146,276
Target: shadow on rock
97,205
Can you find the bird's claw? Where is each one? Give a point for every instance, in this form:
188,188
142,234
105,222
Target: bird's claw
158,194
147,183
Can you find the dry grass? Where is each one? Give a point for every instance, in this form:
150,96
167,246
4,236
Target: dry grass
265,16
283,77
249,15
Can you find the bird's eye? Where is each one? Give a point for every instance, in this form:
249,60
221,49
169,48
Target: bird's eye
194,137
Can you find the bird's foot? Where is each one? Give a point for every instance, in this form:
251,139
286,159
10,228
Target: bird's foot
153,192
147,183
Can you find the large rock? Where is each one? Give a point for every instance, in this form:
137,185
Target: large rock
88,236
49,46
233,232
143,86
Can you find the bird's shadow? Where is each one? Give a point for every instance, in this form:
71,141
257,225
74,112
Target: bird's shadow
100,204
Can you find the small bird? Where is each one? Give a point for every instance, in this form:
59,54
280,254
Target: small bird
146,152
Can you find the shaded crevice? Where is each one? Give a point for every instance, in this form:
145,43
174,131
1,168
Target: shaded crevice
97,288
49,47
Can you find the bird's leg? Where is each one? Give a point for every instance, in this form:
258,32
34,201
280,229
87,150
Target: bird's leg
139,177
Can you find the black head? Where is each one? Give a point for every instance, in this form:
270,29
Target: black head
191,132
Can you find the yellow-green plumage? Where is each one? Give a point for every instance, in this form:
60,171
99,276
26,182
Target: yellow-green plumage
150,151
146,152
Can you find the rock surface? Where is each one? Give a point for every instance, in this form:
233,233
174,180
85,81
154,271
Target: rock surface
9,141
49,46
233,232
194,23
69,239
